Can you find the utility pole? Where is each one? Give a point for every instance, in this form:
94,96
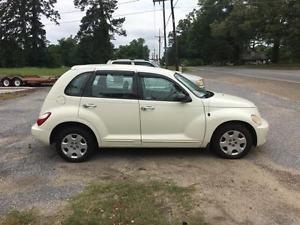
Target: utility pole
165,36
159,46
175,37
165,31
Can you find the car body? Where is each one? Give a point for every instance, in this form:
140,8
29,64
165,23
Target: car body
136,62
110,106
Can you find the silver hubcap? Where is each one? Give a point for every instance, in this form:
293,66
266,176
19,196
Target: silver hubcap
74,146
17,83
233,143
6,83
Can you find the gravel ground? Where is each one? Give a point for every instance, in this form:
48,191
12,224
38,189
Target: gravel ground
263,188
14,89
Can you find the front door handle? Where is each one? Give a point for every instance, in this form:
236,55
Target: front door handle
89,106
148,108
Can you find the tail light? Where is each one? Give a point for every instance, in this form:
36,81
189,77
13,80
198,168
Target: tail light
43,118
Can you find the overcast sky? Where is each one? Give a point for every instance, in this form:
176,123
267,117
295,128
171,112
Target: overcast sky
146,24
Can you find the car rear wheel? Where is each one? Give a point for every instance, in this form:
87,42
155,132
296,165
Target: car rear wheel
232,141
5,82
75,144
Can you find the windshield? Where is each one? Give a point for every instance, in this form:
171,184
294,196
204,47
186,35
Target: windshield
198,91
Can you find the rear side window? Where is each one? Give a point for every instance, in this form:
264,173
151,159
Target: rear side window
113,85
122,63
76,86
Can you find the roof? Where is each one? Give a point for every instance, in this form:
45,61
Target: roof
107,67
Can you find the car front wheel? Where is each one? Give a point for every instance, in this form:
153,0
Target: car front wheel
232,141
75,144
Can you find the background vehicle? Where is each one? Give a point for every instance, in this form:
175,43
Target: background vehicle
17,81
199,81
140,62
138,106
137,62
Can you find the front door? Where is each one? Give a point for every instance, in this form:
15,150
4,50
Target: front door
166,122
110,104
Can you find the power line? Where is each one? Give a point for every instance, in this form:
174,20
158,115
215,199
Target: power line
78,11
120,15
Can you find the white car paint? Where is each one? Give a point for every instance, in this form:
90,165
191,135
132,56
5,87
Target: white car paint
123,123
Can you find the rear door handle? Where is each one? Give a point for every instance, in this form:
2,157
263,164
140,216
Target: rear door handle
89,106
148,108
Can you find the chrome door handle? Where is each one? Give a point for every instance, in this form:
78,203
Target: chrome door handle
148,108
89,106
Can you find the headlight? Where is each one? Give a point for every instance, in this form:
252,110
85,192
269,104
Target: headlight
256,119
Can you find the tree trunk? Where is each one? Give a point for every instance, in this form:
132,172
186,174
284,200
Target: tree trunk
276,51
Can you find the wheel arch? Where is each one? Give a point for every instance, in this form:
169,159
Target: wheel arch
68,124
247,125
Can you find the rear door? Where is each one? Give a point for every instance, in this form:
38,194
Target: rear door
110,104
166,122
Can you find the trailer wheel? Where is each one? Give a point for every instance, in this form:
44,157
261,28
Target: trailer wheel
17,82
5,82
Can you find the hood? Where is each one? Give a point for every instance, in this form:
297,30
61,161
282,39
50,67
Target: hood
220,100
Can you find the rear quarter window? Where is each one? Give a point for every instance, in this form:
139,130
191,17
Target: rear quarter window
76,86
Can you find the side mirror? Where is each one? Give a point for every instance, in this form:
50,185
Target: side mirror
181,97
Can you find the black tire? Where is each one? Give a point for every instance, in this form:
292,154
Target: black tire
6,82
216,141
88,137
17,82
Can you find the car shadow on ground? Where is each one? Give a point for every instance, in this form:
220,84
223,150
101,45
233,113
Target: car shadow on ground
152,152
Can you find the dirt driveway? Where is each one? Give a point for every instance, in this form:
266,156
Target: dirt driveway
263,188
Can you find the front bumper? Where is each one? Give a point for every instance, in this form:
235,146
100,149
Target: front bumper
262,132
40,134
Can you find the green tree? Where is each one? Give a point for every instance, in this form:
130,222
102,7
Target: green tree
224,31
135,50
21,26
97,29
65,53
36,38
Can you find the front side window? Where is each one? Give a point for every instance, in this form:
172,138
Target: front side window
159,89
113,85
76,86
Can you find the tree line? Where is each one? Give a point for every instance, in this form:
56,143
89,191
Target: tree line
239,31
23,36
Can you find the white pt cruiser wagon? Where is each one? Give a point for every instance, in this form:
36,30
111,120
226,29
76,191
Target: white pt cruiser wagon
142,107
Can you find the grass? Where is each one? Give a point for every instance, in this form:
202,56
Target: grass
272,66
123,202
20,218
29,71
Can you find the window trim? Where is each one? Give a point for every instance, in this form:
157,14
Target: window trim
154,75
87,90
83,86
